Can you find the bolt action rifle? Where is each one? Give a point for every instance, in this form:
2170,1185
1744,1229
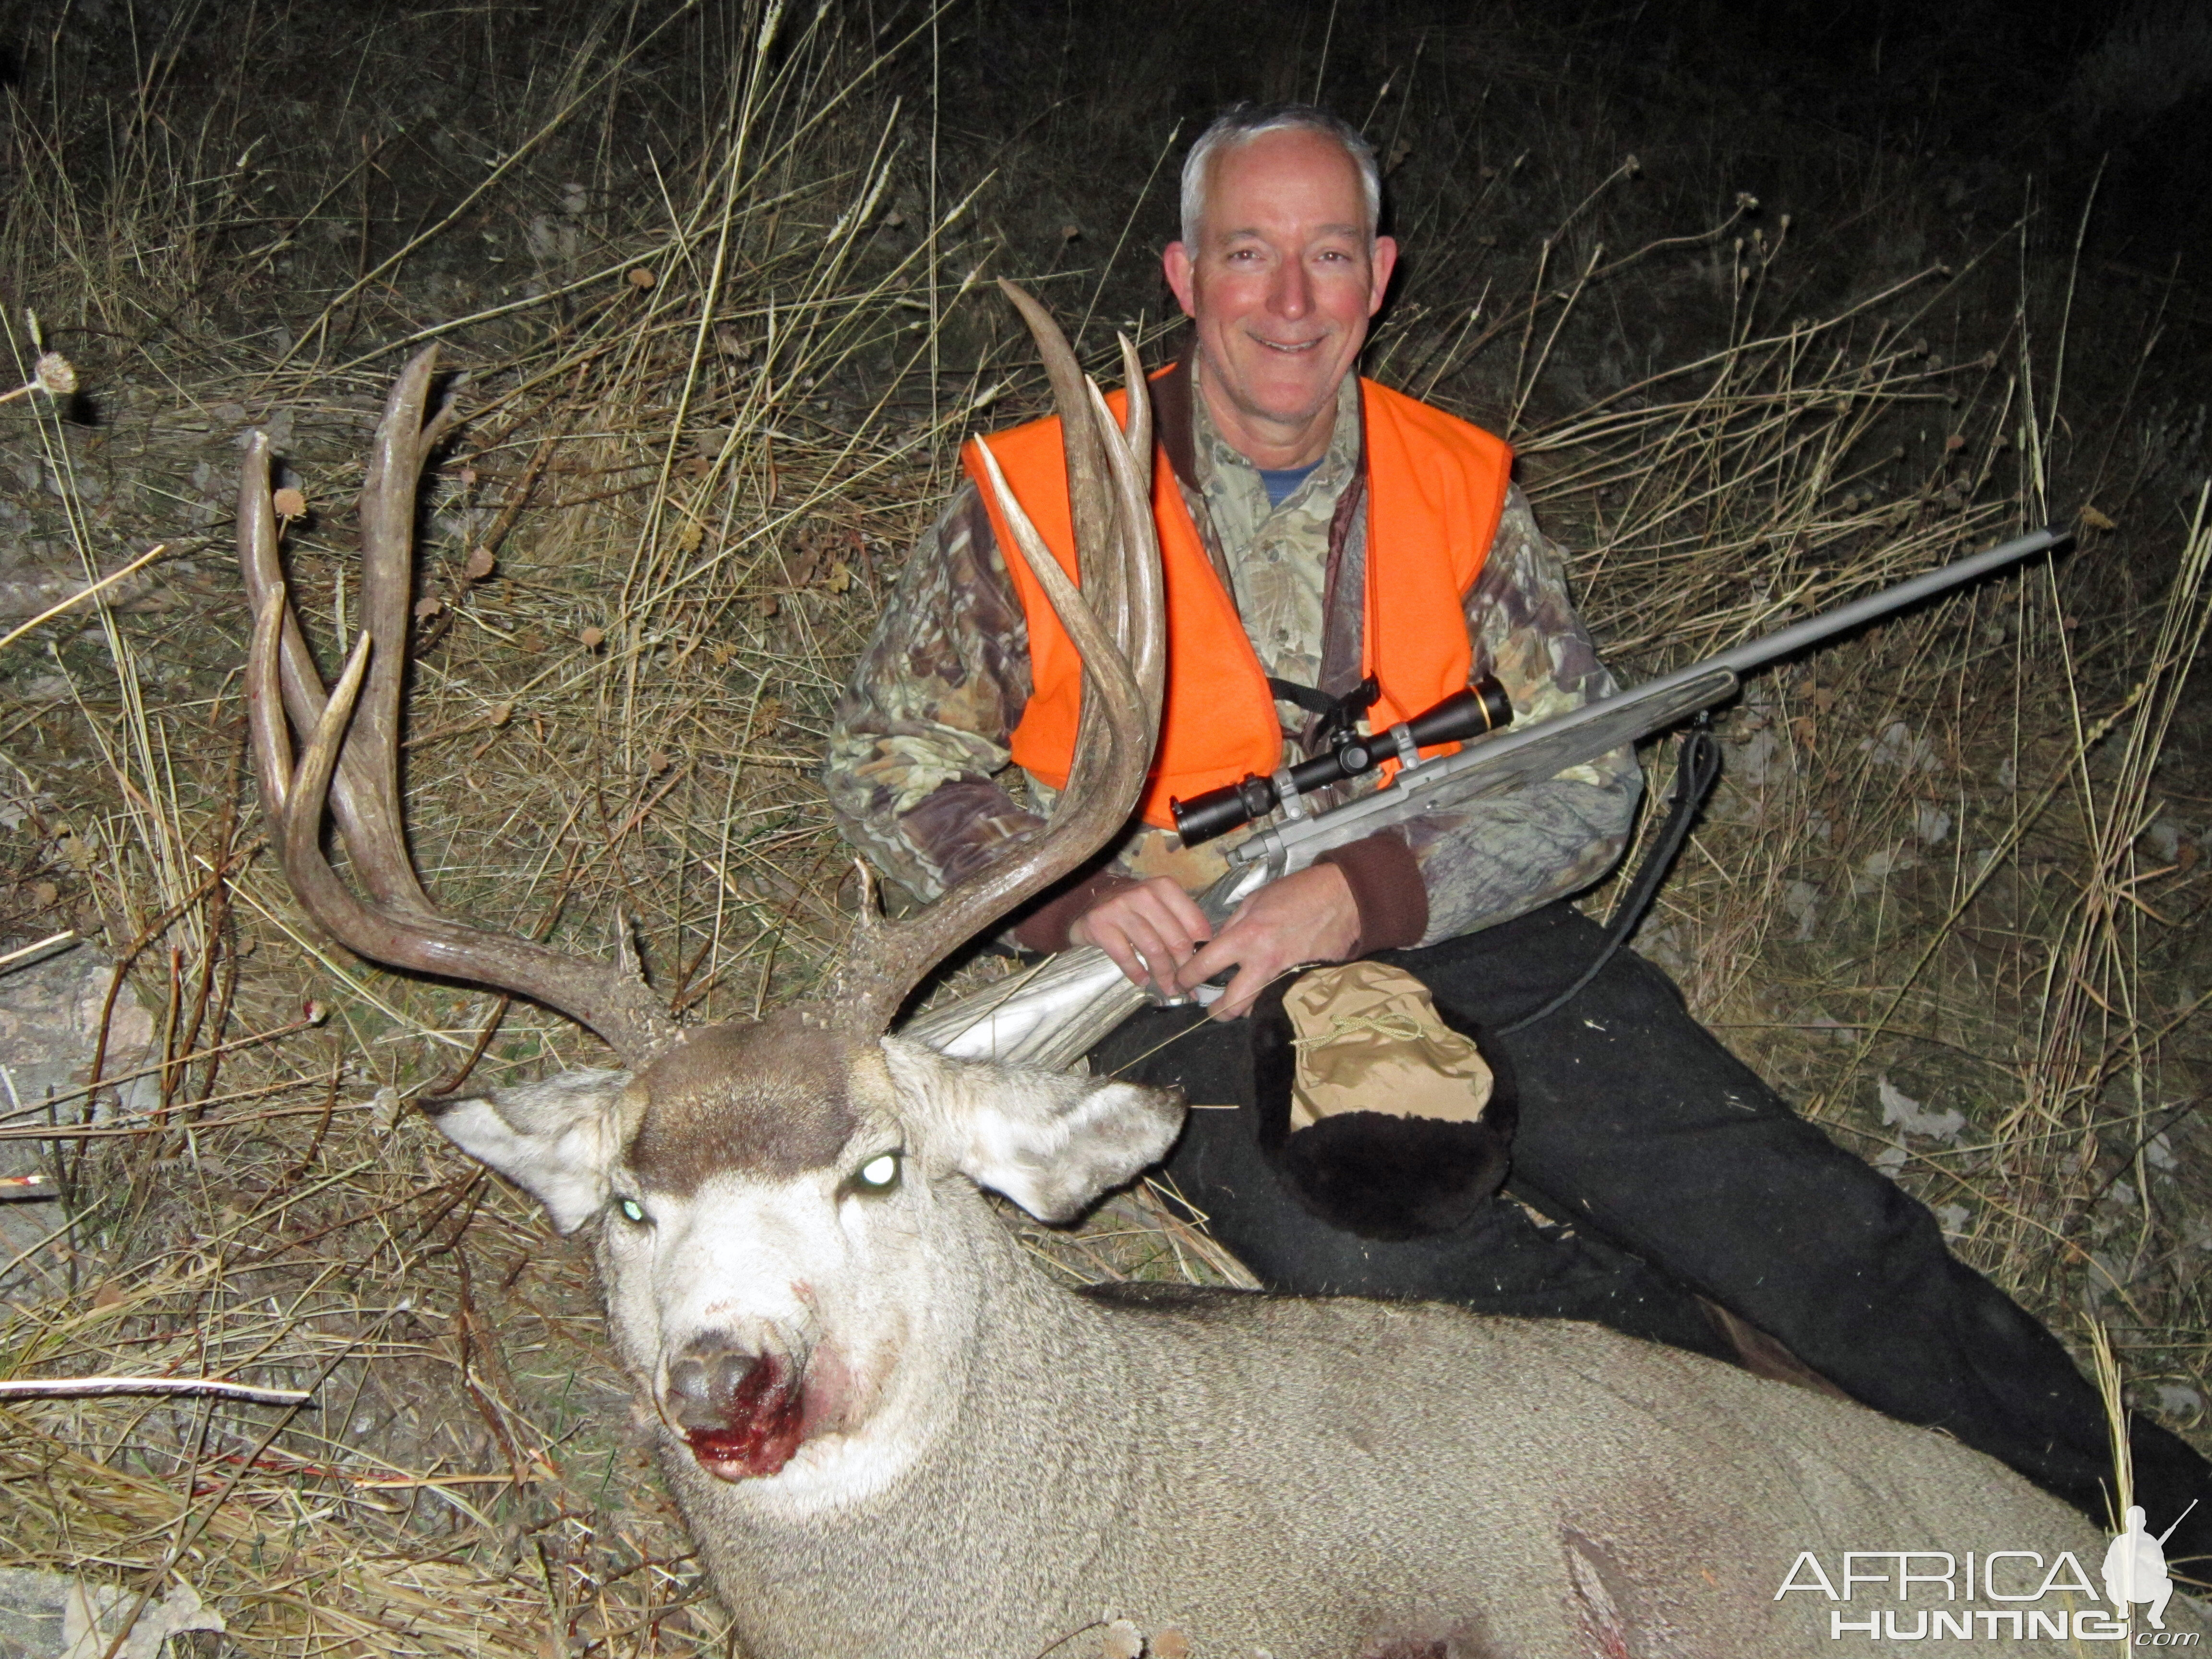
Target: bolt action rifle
1055,1012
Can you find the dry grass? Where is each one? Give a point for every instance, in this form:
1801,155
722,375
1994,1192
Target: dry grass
715,289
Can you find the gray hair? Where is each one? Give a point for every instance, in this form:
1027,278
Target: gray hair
1242,123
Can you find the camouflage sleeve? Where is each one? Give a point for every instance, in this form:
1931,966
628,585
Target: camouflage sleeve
1499,858
917,761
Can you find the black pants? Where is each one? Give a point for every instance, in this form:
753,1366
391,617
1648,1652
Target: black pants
1671,1171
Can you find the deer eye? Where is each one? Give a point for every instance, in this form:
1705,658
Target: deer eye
878,1175
632,1211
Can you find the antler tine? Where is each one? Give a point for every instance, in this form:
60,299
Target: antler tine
1116,729
403,445
1133,486
1136,440
354,798
1085,445
1112,753
395,931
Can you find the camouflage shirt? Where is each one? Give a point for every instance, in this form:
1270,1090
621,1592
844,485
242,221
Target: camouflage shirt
918,770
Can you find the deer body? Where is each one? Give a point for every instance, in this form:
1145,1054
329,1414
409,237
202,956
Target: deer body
988,1461
891,1434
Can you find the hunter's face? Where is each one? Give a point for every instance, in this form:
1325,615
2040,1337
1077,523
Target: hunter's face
1281,285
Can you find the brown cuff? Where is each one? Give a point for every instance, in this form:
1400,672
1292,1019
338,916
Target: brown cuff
1045,928
1386,885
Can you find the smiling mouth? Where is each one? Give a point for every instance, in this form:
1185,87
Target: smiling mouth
1288,348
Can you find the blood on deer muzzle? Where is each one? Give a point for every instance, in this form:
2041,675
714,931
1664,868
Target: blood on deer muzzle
741,1413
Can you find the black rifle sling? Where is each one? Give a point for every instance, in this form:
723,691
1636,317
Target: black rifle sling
1339,715
1697,768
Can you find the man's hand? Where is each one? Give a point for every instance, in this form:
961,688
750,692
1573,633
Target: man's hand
1310,916
1150,931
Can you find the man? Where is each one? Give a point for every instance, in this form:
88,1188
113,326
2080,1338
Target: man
1317,529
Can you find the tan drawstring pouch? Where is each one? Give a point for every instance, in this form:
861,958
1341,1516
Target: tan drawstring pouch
1376,1115
1368,1039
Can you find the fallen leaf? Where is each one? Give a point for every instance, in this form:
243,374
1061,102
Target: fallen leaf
1907,1114
591,638
480,565
2096,521
1169,1643
657,762
641,278
427,607
107,1296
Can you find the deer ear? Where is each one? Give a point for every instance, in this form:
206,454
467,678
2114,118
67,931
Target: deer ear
1051,1141
557,1140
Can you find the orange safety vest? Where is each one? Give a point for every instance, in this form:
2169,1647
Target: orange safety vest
1436,487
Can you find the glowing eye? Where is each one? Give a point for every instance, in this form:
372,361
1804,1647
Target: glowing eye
879,1174
632,1210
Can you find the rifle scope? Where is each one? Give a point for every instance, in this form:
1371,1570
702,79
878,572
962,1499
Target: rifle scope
1483,706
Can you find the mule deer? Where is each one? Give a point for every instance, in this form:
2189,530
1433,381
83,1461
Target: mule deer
891,1434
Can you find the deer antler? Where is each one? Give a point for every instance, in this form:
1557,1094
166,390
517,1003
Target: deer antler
1114,618
397,924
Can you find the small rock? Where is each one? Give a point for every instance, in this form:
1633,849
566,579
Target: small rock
388,1109
2179,1400
1885,862
1800,903
1899,748
1931,823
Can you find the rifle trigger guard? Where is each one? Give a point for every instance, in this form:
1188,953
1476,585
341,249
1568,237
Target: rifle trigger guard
1409,752
1288,801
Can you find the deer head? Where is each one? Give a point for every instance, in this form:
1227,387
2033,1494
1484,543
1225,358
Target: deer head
792,1239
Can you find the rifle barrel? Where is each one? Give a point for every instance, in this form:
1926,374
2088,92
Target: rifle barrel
1752,653
1706,683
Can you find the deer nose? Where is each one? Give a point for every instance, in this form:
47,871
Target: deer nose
742,1414
708,1377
